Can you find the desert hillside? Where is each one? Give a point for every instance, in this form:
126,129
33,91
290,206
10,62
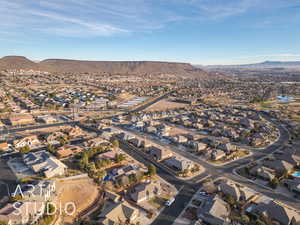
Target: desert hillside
113,67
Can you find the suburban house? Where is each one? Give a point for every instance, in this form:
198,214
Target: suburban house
199,146
30,141
276,212
279,166
74,132
4,146
21,212
159,153
179,163
1,124
226,147
125,170
44,163
21,119
262,172
292,185
95,142
233,190
110,154
67,151
116,213
136,142
145,191
217,154
289,157
47,119
53,138
214,211
180,139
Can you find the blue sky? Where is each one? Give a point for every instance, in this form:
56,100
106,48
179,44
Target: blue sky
195,31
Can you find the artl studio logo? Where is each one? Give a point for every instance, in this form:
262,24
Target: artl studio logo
36,200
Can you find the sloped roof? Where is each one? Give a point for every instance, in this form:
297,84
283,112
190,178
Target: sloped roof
113,213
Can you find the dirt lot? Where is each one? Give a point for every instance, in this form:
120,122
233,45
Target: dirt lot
177,131
165,105
47,130
82,192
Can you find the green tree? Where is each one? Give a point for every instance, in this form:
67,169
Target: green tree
51,149
259,222
103,163
101,174
24,149
274,183
230,200
244,219
115,144
120,158
132,178
152,170
91,166
63,140
84,161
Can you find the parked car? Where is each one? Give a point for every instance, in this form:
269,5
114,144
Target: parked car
170,201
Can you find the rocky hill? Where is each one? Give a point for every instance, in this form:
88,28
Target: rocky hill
112,67
17,62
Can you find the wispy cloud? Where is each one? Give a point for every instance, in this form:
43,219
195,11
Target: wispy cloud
81,27
92,18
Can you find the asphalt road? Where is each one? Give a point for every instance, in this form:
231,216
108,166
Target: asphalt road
141,108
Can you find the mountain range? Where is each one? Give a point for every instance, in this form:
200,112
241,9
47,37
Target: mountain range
262,65
112,67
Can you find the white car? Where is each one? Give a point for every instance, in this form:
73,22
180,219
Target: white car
170,201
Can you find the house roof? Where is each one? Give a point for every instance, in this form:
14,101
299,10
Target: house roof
3,145
278,165
114,213
64,152
277,212
215,208
142,190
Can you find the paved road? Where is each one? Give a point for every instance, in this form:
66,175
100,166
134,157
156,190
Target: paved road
141,108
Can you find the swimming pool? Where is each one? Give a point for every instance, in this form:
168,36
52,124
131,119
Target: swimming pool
296,174
284,98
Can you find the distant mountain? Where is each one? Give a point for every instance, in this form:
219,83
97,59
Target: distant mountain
17,62
262,65
112,67
280,63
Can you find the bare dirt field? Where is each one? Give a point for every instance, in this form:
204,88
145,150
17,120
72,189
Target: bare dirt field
165,105
82,192
177,131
